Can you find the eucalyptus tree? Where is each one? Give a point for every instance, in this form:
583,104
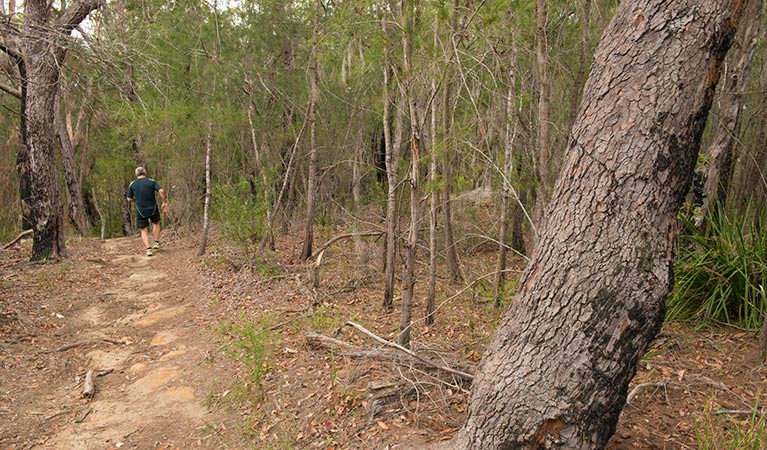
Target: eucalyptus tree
38,46
592,298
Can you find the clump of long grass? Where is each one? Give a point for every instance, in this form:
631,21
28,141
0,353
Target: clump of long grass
721,272
715,431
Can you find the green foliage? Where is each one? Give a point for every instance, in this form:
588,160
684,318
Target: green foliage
250,343
720,272
324,319
723,432
241,214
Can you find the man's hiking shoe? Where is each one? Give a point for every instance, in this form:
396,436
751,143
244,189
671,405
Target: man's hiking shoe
156,245
149,252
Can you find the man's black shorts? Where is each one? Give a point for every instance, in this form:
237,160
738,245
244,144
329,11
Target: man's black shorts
143,222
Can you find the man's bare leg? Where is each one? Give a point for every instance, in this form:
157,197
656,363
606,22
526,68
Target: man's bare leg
156,231
145,236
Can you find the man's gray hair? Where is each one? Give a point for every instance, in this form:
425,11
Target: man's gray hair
140,171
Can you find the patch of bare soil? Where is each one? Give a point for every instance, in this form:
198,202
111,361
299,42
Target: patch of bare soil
142,324
189,374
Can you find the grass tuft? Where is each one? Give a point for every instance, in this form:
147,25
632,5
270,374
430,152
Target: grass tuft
720,272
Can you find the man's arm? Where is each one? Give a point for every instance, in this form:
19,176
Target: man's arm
164,206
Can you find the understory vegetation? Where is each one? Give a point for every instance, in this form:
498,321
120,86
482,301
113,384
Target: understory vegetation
721,271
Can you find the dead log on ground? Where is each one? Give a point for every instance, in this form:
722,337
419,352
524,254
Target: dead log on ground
410,358
383,397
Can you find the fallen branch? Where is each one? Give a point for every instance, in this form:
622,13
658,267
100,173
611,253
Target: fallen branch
687,381
464,375
321,252
744,412
17,239
88,387
60,413
404,358
64,348
85,413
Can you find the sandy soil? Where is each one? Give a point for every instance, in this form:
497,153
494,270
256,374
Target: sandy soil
164,326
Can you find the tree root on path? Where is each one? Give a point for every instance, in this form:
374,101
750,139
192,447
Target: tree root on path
64,348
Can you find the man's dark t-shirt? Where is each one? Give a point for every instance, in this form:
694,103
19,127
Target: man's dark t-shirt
142,190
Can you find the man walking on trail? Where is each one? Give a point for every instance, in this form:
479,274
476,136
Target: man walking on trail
142,192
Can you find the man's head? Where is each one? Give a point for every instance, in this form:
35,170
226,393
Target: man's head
140,171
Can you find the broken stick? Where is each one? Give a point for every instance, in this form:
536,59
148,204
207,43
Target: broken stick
17,239
450,370
88,387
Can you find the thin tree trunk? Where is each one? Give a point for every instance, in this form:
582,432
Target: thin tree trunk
311,182
716,170
102,218
359,246
393,144
408,276
77,213
583,62
556,373
508,158
452,255
543,156
125,212
205,222
433,202
268,240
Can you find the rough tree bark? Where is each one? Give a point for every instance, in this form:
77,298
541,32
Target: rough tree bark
592,298
43,46
716,171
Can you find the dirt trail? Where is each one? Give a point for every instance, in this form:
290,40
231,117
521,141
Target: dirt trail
144,319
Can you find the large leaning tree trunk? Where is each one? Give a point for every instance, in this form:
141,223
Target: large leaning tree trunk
592,298
40,48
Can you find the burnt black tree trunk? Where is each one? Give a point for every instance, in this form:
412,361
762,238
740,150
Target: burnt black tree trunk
592,298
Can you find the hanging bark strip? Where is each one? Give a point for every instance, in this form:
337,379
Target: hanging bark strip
556,374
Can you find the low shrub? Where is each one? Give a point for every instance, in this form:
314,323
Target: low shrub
720,271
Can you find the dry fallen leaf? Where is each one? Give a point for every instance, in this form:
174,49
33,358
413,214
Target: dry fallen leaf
383,425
